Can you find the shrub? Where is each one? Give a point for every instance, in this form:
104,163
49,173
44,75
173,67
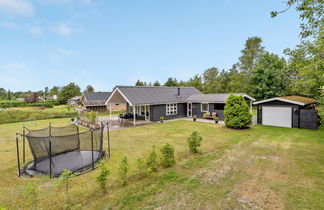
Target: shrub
151,161
237,113
102,175
141,167
123,169
65,177
194,141
32,191
167,159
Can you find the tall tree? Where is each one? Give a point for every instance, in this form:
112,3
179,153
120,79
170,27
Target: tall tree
269,77
3,94
68,92
156,83
140,83
89,89
9,95
211,85
54,91
171,82
196,81
251,54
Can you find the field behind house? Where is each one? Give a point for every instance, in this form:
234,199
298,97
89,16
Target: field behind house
262,167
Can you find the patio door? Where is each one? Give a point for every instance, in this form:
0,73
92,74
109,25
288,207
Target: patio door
147,113
189,109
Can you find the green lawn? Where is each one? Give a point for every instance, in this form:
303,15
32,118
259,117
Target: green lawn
262,167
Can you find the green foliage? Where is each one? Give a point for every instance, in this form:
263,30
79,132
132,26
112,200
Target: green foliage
69,91
123,169
161,118
196,81
194,141
151,160
156,83
64,180
171,82
236,112
102,175
211,84
13,115
32,192
269,77
89,89
311,13
141,167
195,116
90,117
140,83
14,103
167,159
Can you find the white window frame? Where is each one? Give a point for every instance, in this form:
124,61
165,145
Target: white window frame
201,107
171,110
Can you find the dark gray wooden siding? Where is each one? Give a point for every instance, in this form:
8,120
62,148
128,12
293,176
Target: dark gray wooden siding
159,110
218,108
300,117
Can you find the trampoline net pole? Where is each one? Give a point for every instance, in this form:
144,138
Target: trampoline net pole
24,154
92,159
17,145
50,151
78,137
108,138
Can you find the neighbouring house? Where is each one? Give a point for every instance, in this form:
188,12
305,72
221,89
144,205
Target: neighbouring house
53,97
20,99
288,111
96,101
76,100
151,103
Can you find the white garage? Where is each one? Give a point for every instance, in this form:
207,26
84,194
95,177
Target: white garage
277,116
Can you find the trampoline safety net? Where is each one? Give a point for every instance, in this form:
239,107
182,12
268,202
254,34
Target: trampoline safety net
57,148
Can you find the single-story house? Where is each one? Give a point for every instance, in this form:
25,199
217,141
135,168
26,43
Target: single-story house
76,100
150,103
96,101
288,111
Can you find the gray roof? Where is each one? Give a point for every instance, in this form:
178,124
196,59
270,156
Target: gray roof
137,95
95,98
215,98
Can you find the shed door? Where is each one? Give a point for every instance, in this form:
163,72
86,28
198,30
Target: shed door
276,116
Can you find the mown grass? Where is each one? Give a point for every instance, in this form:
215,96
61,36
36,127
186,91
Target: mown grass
262,167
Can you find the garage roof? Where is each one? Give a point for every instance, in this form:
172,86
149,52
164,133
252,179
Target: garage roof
299,100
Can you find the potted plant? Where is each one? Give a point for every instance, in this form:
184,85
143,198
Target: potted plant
72,119
216,119
161,119
194,118
205,115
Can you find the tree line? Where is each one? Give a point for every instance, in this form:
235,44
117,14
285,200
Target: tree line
63,93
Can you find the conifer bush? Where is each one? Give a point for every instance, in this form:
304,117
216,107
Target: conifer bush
123,169
237,113
167,159
194,141
152,161
102,175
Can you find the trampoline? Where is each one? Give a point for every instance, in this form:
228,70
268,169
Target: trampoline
57,148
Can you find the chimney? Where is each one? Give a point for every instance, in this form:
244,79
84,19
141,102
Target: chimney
179,91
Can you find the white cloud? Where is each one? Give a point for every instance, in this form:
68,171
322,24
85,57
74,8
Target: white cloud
64,30
10,25
37,31
66,52
15,67
67,1
17,7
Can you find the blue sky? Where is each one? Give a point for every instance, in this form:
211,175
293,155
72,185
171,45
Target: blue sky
106,43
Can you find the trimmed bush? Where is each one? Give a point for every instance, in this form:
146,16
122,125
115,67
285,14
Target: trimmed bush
237,113
194,141
167,159
8,116
14,103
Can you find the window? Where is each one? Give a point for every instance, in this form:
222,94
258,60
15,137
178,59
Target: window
171,109
204,107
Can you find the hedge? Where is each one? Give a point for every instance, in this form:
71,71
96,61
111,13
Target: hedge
9,116
14,103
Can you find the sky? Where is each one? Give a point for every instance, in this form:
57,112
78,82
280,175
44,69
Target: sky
106,43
